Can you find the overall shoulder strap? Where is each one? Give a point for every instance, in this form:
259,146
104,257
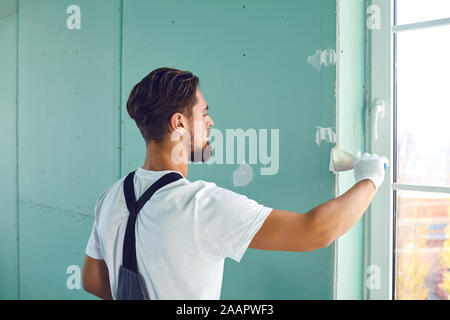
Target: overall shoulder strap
134,207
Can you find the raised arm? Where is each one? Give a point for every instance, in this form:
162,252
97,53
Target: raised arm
318,228
289,231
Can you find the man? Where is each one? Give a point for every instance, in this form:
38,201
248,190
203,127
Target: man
187,229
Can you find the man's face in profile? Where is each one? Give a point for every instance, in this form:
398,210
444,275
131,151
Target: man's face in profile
199,130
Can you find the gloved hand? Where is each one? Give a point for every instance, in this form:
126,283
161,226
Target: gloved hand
370,166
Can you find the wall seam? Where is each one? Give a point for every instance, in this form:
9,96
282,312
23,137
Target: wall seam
336,181
58,209
17,149
120,87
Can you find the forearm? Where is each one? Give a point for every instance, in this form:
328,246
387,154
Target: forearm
103,293
335,217
96,278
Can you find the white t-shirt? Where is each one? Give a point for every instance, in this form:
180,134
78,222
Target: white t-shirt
183,234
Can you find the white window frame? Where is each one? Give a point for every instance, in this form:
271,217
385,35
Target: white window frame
379,223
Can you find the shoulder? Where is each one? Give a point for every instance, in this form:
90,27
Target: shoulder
207,187
109,192
210,193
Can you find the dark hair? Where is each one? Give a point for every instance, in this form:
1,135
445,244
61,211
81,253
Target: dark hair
157,97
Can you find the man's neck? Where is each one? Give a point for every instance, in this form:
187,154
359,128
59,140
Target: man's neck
159,158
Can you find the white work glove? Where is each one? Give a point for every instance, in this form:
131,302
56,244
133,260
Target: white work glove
370,166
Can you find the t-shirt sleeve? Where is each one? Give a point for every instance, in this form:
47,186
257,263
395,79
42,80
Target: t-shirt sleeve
229,221
93,248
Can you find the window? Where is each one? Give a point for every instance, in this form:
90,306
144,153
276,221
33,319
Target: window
408,225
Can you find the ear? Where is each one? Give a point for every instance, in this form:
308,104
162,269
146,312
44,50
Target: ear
176,121
178,126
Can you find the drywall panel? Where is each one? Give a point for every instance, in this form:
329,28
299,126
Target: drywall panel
68,119
8,155
52,244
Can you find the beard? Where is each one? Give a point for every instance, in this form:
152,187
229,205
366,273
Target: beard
200,155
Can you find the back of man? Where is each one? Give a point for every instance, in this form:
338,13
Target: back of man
183,234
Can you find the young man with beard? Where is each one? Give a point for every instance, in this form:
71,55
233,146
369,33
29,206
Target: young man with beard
186,230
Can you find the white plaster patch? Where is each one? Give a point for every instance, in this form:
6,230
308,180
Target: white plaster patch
325,57
326,134
243,175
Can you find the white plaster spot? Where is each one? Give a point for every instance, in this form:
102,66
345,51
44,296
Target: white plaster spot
243,175
325,57
327,134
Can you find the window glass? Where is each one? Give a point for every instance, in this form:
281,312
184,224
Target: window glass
412,11
422,245
423,107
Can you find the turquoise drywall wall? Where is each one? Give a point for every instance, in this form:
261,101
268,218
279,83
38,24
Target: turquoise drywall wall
350,137
68,136
8,151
